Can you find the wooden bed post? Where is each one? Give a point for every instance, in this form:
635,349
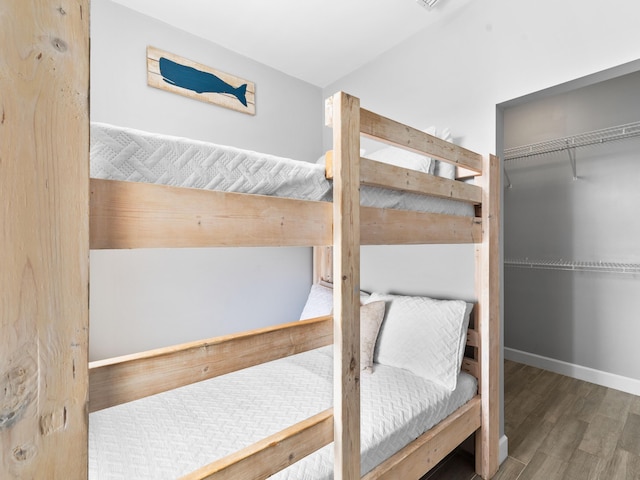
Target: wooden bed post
344,111
323,264
488,319
44,262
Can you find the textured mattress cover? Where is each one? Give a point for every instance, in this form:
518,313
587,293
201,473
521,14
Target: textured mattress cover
176,432
119,153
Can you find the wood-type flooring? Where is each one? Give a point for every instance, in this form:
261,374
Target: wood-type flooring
560,428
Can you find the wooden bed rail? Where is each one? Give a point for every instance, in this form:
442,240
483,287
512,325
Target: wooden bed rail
272,454
116,228
381,227
135,215
144,215
378,174
380,128
130,377
432,447
384,175
398,134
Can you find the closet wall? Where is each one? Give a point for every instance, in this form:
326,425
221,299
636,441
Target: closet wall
565,309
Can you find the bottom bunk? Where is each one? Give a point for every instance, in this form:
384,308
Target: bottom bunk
411,383
173,433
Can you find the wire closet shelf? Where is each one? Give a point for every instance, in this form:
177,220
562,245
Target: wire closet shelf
578,266
574,141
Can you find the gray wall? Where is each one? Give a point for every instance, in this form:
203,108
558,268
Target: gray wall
582,318
143,299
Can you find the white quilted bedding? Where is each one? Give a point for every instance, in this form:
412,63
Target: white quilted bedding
173,433
119,153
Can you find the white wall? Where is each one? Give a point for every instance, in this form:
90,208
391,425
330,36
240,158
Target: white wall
143,299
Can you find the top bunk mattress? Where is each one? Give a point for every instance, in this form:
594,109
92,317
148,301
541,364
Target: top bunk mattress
173,433
126,154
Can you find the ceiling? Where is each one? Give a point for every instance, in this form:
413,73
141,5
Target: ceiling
318,41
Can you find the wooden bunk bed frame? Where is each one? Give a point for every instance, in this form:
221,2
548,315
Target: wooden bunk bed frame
53,214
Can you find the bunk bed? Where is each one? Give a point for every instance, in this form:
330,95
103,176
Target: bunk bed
128,214
48,386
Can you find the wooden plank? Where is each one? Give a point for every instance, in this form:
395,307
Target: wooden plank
379,174
397,134
383,175
142,215
44,262
225,98
274,453
488,319
328,164
405,227
346,299
473,338
426,451
471,366
130,377
323,264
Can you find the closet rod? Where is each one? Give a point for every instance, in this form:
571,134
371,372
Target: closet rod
567,265
580,140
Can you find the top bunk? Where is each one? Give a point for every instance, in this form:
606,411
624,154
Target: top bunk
139,199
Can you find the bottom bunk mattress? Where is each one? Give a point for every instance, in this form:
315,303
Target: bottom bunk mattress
127,154
173,433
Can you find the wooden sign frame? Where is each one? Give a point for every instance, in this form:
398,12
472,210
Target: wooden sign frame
176,74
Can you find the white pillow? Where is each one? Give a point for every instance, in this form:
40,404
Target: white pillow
319,302
444,169
403,158
424,336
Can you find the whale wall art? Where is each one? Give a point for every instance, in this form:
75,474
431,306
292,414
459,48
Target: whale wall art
178,75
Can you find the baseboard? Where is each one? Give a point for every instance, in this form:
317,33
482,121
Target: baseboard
503,450
605,379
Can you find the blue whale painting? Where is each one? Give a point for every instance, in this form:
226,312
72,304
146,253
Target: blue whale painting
198,81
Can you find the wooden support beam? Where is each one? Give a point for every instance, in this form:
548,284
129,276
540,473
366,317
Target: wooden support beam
130,377
323,264
44,260
345,113
473,339
471,367
488,320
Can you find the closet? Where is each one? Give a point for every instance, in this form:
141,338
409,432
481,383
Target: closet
572,256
